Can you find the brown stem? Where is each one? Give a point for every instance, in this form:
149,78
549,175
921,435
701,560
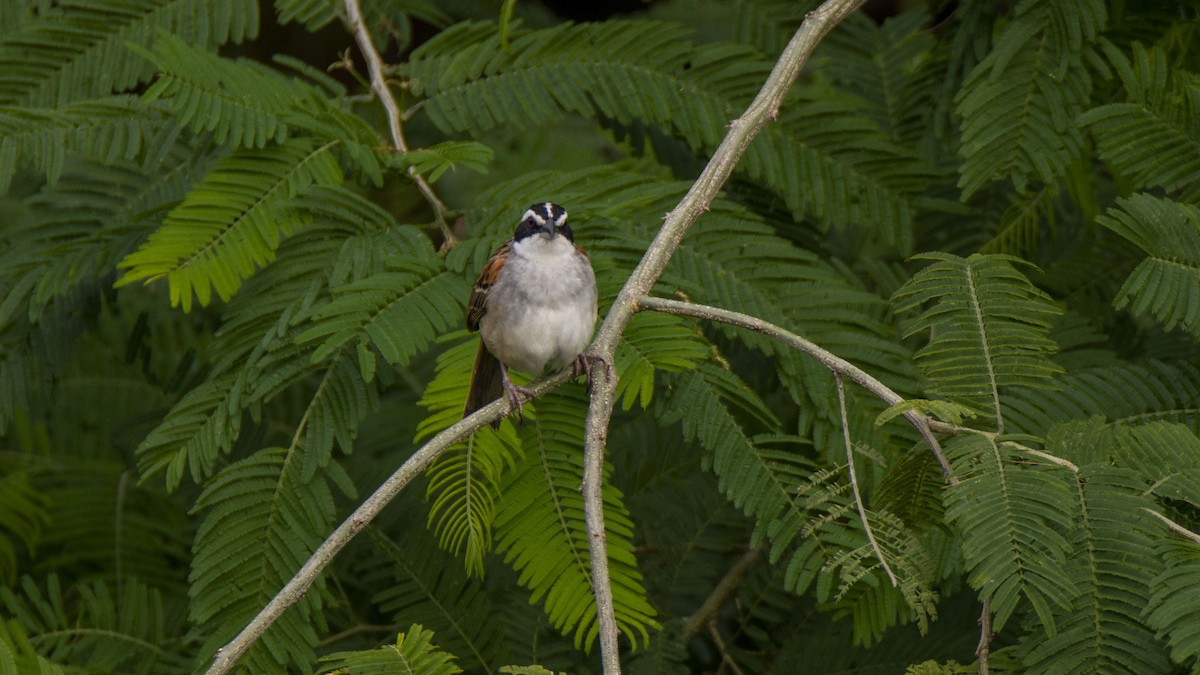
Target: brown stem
724,590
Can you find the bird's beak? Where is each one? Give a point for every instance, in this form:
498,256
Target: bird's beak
548,229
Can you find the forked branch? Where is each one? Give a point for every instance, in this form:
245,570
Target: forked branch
839,366
742,131
762,110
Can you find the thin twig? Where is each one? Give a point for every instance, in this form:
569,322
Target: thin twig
862,510
763,109
366,45
720,643
1174,526
835,363
290,594
721,593
985,636
1041,454
390,629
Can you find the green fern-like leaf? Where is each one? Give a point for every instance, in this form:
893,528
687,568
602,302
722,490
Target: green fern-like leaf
79,51
436,160
232,222
108,129
888,67
464,483
22,516
197,430
261,522
413,654
142,533
1165,455
1124,392
471,83
541,530
241,103
1167,283
988,328
653,343
18,655
1019,103
349,239
248,105
1029,215
1112,558
1172,609
312,14
1011,517
398,311
1153,138
709,401
912,489
91,627
414,581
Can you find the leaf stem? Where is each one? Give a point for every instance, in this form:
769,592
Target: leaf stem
862,510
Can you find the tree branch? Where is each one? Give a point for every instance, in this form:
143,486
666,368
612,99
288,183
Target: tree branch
985,637
721,594
763,109
290,594
1175,527
836,364
366,45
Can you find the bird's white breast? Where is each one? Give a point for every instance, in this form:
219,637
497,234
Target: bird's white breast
542,309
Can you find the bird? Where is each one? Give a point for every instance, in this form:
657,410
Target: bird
534,305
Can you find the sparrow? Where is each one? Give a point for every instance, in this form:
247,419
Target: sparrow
534,305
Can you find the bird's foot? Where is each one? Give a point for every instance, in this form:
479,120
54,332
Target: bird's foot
514,392
585,362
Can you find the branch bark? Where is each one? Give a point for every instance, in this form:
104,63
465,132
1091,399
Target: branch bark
985,637
763,109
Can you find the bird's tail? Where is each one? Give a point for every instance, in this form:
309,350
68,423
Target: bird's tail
486,382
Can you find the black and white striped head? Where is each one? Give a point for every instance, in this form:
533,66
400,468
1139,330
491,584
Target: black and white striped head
546,219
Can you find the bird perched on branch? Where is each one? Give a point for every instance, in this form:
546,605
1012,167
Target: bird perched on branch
534,305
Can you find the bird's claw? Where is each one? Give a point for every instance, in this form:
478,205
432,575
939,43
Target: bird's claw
585,362
514,393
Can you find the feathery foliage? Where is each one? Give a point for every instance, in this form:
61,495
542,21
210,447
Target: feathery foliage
1019,103
1167,283
541,532
261,521
1012,532
988,329
413,654
228,310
